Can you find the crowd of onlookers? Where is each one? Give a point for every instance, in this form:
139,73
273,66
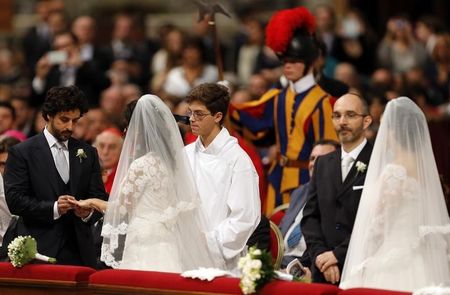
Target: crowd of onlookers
411,59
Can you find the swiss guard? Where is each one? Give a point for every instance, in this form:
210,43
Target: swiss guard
299,113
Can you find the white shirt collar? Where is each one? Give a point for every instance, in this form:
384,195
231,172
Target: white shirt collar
216,145
51,139
355,152
303,84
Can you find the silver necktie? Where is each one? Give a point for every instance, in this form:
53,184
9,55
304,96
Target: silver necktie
61,162
346,165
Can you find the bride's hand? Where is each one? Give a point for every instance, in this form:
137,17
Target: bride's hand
84,204
93,203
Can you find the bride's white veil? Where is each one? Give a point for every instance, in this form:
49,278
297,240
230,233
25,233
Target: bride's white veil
403,140
152,129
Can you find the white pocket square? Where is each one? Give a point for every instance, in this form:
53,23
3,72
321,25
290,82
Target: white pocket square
358,187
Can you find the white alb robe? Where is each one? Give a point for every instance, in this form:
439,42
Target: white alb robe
228,186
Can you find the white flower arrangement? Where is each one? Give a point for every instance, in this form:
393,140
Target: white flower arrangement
23,249
360,167
257,270
81,154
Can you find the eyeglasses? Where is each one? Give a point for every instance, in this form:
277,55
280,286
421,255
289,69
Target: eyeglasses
347,116
197,115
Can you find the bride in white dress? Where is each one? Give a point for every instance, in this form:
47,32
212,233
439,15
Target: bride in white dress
400,240
153,221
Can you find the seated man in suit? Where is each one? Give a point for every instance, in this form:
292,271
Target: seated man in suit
294,242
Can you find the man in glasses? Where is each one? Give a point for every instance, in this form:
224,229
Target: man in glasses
335,189
226,178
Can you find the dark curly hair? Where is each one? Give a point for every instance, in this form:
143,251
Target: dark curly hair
215,97
63,99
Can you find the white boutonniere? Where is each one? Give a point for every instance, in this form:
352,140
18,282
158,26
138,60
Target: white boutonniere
361,167
81,154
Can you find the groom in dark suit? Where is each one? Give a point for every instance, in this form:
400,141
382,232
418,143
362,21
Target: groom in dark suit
335,190
48,170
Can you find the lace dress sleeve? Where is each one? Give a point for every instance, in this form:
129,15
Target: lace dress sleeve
147,176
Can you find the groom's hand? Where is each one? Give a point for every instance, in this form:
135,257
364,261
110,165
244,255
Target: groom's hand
82,212
325,260
332,274
64,204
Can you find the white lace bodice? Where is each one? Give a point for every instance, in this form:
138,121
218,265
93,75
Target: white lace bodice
146,187
148,192
147,196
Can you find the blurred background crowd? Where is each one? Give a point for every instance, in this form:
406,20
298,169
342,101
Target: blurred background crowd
115,51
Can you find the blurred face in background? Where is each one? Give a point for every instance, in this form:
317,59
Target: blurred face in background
346,73
123,27
174,42
112,101
84,28
257,85
24,112
109,145
97,122
192,56
131,92
441,51
80,128
241,96
65,42
57,22
318,150
6,119
325,18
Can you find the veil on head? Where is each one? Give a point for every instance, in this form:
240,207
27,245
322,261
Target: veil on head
403,139
153,129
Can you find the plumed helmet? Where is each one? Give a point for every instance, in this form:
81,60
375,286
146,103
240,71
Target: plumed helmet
290,34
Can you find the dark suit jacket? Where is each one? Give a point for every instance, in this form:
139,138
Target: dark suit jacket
261,236
332,86
31,189
88,78
34,46
330,212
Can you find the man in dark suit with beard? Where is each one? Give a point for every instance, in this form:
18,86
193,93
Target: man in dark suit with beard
48,170
335,190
